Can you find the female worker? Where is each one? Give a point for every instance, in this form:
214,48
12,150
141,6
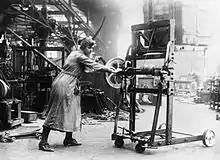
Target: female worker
64,113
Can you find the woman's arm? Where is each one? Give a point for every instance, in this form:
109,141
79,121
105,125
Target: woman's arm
94,65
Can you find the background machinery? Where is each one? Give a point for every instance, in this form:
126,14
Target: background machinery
33,47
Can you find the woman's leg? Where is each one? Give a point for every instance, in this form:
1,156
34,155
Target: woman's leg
45,134
69,140
43,144
69,135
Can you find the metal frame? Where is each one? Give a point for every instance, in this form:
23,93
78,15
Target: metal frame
146,139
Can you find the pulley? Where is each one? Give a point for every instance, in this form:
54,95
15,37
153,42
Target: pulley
111,78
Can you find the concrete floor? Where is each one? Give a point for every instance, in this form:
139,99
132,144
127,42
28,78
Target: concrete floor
97,144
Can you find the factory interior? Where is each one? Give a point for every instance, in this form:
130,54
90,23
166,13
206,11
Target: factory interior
158,98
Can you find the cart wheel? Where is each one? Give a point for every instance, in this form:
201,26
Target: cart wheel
119,143
13,138
39,137
208,138
10,139
4,140
139,148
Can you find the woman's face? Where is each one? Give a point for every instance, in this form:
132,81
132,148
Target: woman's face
88,50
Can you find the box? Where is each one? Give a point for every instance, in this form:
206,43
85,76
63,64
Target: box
29,116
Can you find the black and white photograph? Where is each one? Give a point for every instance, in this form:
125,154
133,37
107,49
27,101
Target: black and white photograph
109,79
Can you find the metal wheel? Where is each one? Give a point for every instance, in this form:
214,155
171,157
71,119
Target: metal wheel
10,139
139,148
38,136
4,140
13,138
119,143
111,78
208,138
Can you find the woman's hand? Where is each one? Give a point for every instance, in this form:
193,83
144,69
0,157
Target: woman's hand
110,69
97,58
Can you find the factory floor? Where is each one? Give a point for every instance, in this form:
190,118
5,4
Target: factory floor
97,144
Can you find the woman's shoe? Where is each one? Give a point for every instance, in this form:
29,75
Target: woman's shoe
44,146
71,142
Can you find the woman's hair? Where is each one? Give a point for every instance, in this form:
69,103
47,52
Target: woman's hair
85,42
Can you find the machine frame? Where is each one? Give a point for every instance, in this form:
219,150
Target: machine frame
146,139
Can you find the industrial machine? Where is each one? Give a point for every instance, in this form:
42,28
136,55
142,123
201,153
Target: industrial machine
27,67
24,65
150,41
33,47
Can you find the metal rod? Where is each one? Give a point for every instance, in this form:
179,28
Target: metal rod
179,140
146,90
167,51
156,113
118,109
133,84
186,134
170,84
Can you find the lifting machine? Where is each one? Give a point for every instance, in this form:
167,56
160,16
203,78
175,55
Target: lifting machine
150,41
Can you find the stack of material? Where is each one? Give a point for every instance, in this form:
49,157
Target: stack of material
104,102
107,116
95,101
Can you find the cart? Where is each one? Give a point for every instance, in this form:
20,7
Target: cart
158,45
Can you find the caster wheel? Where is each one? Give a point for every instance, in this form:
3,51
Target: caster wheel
208,138
119,143
139,148
10,139
4,140
38,135
13,138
